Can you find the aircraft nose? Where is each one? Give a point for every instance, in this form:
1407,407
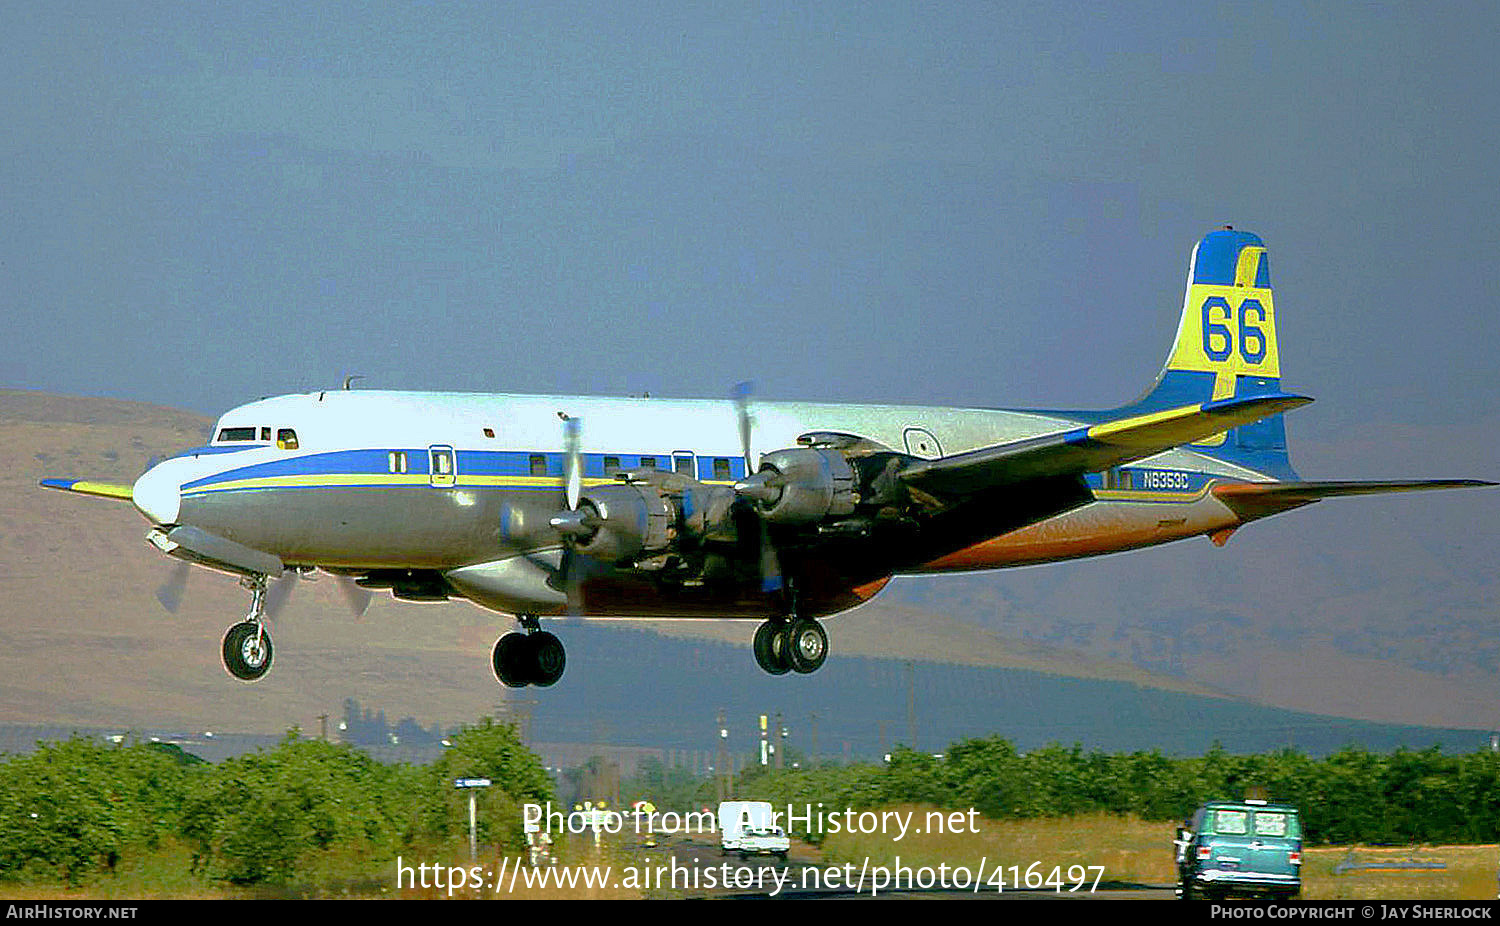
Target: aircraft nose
158,493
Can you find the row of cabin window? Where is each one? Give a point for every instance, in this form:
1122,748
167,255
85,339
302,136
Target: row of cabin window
286,438
537,462
683,464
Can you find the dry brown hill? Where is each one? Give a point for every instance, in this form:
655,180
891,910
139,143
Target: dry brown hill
84,640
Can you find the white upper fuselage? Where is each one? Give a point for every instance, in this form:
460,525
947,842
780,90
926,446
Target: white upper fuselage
357,419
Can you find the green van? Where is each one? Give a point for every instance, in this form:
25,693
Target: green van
1240,847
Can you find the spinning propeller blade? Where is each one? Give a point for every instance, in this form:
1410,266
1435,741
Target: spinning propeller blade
741,395
358,599
169,593
573,461
769,560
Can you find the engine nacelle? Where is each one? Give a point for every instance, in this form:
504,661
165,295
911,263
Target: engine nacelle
802,486
625,521
707,511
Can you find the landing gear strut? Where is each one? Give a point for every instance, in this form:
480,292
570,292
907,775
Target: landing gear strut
799,645
535,657
247,645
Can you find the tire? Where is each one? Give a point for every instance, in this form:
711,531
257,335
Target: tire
548,658
510,661
806,646
770,649
242,658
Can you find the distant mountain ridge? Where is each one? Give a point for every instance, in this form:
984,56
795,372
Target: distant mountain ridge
83,639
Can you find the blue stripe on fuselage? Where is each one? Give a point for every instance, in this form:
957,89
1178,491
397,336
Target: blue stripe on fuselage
469,463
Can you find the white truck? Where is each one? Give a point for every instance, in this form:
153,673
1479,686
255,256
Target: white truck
749,828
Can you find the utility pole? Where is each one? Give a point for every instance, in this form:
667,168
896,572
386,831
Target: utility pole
517,713
721,767
812,758
911,704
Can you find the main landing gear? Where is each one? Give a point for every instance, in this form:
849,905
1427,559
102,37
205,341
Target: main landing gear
796,644
247,645
535,657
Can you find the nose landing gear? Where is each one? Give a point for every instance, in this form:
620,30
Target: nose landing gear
535,657
247,645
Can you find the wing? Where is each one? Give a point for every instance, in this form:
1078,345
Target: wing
85,487
1088,449
1251,500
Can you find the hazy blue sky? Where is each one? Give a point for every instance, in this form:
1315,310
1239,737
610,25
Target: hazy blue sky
970,204
940,203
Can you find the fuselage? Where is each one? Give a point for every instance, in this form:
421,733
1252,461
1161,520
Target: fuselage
370,480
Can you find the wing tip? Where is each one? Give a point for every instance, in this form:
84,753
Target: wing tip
88,487
1286,401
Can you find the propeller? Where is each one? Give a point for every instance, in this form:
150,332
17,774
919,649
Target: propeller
279,593
573,463
755,487
170,592
741,394
355,597
573,522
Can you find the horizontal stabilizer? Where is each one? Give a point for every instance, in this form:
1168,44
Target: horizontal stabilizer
85,487
1252,500
1090,449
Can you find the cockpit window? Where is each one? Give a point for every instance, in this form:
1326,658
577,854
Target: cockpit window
286,439
237,434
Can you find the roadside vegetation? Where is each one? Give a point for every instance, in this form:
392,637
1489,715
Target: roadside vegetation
1406,797
308,818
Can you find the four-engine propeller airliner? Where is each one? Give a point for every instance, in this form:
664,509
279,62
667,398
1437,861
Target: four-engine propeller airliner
541,506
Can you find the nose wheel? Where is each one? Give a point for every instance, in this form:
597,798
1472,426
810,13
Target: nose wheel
535,657
247,645
247,651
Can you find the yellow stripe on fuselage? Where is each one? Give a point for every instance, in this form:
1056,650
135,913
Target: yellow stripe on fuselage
1137,495
385,480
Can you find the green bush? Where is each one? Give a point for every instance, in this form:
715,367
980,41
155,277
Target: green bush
73,807
493,751
255,818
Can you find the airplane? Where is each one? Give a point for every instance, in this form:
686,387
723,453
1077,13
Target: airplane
542,506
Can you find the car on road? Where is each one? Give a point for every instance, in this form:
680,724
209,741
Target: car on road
1249,847
765,840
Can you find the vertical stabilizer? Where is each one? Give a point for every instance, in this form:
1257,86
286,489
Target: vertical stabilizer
1226,347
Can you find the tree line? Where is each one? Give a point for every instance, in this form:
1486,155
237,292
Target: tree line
78,807
75,808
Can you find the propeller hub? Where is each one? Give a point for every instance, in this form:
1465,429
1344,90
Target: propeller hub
575,523
763,487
